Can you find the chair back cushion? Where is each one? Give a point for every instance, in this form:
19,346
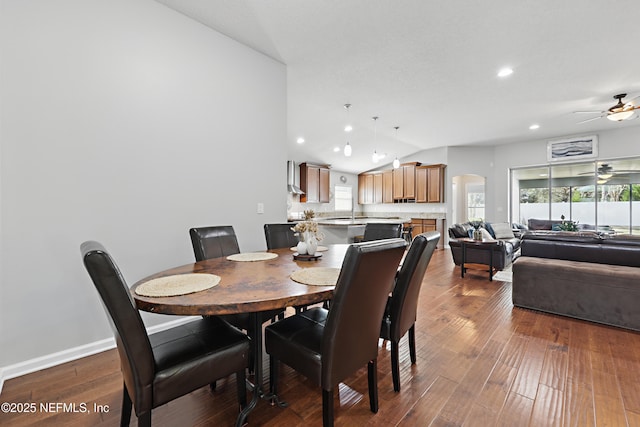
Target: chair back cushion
378,231
350,338
134,348
213,242
404,300
280,236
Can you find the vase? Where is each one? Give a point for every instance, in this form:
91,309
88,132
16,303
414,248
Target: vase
312,245
477,234
301,248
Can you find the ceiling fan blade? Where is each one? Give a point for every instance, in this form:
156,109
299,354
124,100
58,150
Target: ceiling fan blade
633,101
588,120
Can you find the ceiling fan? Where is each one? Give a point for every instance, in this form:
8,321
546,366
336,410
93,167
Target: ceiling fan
617,113
605,172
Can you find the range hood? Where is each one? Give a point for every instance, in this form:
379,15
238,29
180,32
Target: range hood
291,178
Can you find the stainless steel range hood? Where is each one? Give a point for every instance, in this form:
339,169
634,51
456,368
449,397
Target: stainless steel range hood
291,178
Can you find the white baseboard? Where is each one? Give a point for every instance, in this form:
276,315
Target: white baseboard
64,356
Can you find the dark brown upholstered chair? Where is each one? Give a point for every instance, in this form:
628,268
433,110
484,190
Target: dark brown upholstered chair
163,366
402,306
329,345
280,236
219,241
377,231
214,242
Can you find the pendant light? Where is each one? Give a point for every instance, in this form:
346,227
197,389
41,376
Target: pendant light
396,162
374,156
347,149
347,128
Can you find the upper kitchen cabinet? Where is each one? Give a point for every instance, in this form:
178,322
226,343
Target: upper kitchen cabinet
314,181
411,182
387,186
370,188
404,181
430,184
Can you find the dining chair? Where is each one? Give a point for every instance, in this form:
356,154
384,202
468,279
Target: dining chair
161,367
380,230
327,346
402,306
280,235
220,241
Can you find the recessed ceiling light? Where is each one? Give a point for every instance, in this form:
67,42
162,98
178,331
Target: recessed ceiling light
348,128
336,149
505,72
534,127
300,140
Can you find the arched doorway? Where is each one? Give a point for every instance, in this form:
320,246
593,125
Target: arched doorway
467,198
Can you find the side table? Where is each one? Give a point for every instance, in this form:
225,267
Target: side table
465,242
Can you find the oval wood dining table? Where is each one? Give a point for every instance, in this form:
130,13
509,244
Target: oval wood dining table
246,287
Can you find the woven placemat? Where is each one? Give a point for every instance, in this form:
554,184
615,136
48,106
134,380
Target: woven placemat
252,256
319,249
316,276
180,284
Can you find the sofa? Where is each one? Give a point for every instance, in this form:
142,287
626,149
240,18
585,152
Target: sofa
584,275
504,252
555,225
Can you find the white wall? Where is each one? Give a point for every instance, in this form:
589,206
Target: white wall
127,123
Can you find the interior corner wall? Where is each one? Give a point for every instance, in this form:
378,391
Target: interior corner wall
127,123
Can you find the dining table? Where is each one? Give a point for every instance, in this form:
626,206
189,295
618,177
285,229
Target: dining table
247,287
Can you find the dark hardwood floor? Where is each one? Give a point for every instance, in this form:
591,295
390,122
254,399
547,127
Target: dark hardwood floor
481,362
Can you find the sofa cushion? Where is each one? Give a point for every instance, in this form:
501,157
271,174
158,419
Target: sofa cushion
489,228
502,230
460,230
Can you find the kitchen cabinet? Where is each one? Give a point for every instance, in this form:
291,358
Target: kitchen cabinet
404,181
370,188
435,184
314,181
422,225
387,186
430,184
398,183
411,182
377,188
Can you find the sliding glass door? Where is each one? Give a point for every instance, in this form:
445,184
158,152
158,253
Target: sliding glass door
601,195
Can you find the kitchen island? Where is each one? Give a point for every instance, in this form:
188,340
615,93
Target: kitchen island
343,230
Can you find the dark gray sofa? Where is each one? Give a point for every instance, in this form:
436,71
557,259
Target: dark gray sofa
503,254
584,275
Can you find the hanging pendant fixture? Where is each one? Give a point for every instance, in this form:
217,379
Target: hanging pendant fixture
396,162
375,157
347,128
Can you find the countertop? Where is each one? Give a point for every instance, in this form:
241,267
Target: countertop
345,222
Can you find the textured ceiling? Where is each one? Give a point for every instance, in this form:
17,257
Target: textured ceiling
430,68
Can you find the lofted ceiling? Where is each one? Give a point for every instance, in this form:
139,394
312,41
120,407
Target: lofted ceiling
430,67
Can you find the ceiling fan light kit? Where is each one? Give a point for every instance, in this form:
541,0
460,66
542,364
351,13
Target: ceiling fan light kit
619,112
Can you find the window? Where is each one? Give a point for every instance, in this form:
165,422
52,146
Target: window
343,198
602,195
475,201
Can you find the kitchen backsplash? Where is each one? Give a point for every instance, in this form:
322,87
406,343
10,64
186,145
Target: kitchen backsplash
295,209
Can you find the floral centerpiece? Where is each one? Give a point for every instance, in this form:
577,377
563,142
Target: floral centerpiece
308,233
476,224
567,225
